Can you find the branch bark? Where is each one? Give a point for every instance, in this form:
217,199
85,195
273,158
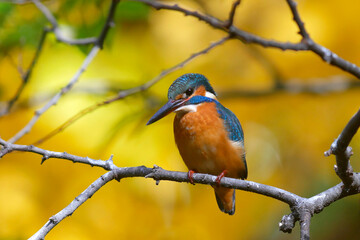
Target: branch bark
341,149
70,209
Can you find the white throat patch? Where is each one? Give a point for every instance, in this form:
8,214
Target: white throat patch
210,95
188,108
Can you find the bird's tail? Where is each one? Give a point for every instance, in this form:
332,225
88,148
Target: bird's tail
225,198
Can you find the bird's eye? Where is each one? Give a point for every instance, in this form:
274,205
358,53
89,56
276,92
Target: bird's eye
189,92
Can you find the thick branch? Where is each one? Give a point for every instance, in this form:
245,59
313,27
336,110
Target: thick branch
305,219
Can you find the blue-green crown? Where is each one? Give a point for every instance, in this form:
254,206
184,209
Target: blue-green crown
187,81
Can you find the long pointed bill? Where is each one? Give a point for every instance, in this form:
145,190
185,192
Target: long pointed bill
169,107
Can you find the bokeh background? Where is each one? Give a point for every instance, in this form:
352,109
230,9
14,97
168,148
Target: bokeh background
286,132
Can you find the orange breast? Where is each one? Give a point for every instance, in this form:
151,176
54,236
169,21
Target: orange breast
203,142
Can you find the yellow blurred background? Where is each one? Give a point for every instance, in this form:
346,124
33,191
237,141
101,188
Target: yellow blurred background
286,133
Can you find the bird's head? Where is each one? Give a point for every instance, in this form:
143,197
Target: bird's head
180,93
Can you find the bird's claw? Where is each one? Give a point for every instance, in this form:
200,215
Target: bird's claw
190,176
219,177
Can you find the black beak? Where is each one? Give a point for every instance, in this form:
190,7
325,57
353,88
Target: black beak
169,107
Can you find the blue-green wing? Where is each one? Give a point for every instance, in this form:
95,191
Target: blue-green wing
233,128
232,124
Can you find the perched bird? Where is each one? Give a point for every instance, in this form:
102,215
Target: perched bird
208,135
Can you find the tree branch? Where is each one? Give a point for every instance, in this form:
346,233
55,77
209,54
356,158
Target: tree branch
25,77
307,44
56,30
95,49
230,21
77,202
305,219
46,154
340,148
301,207
108,24
56,98
296,17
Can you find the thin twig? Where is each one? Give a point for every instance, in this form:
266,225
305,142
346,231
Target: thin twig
232,30
125,93
46,13
46,154
95,49
77,202
108,24
56,98
340,148
25,77
230,21
294,86
296,17
56,30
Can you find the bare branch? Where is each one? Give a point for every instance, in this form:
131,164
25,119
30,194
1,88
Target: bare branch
125,93
46,154
232,30
301,207
85,64
230,21
46,13
295,86
25,77
305,219
56,98
306,44
108,24
293,7
77,202
56,30
340,148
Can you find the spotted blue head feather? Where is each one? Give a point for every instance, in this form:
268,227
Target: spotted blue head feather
189,81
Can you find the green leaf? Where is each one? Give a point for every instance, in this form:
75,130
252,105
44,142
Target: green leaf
132,11
5,10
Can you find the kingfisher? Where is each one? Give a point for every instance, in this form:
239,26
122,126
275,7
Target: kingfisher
209,136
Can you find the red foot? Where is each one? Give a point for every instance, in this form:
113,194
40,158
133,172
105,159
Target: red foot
190,176
221,175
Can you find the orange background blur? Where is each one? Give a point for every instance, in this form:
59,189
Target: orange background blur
285,133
